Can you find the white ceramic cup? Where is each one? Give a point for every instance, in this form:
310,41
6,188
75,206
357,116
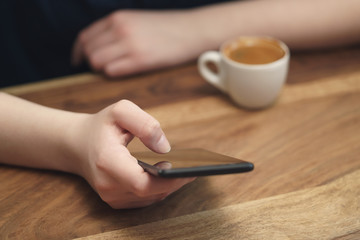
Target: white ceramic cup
252,86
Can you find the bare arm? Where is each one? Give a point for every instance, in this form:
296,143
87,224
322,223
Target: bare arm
35,136
301,24
90,145
127,42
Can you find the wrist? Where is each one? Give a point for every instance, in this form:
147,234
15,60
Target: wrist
74,147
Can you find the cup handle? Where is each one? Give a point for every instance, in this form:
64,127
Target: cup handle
215,79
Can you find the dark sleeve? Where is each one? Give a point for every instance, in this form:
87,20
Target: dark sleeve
37,35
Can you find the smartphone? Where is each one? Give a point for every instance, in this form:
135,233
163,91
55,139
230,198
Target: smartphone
192,163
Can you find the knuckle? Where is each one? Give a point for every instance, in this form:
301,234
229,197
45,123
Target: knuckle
120,107
120,16
118,22
115,17
121,23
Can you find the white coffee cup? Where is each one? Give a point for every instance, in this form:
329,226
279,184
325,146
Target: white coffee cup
256,81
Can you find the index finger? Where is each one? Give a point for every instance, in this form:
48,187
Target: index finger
129,116
89,32
95,28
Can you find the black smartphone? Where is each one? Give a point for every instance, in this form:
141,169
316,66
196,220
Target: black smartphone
192,163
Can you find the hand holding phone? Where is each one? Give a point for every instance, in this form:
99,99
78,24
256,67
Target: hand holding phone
192,163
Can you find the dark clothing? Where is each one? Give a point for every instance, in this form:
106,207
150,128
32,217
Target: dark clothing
37,35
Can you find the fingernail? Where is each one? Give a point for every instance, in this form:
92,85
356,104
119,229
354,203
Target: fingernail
163,145
164,165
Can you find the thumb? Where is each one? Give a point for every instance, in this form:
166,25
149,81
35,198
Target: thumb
164,165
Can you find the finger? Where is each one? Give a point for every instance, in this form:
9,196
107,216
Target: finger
124,66
145,186
96,28
106,55
121,165
86,35
125,170
99,41
163,165
129,116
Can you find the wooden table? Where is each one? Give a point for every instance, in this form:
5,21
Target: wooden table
306,151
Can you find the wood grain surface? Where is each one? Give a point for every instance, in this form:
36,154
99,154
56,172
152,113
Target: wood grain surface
331,211
309,138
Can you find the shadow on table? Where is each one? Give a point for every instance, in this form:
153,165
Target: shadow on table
194,197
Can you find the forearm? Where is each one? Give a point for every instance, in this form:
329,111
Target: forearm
36,136
301,24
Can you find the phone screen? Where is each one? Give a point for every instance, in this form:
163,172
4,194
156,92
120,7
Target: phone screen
192,163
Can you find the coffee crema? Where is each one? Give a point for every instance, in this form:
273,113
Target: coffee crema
254,51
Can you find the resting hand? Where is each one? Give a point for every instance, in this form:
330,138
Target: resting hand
126,42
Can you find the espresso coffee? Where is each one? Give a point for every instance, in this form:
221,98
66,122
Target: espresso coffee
253,85
254,51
